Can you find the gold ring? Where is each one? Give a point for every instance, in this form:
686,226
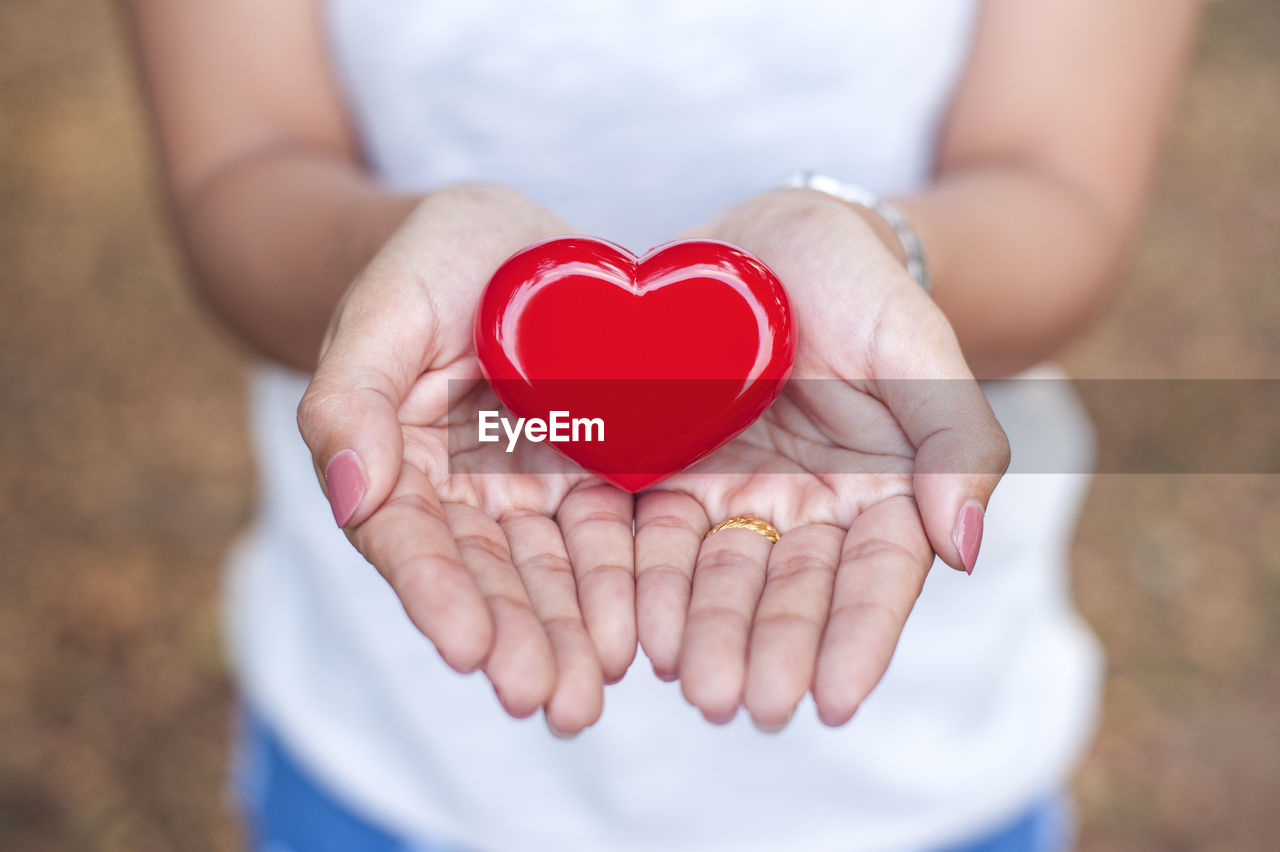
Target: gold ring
741,522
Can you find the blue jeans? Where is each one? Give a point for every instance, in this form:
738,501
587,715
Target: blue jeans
285,810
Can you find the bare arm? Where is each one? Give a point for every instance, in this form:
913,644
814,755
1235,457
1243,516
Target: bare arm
277,214
1043,167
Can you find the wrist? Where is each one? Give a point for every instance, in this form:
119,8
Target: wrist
456,236
883,231
885,220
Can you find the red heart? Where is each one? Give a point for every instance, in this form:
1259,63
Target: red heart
676,352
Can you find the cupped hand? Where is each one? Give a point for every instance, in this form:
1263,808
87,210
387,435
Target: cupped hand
528,576
880,453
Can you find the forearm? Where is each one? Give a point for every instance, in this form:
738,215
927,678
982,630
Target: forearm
262,164
275,239
1043,166
1020,261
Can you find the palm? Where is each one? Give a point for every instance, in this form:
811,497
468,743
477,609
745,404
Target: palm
439,425
794,437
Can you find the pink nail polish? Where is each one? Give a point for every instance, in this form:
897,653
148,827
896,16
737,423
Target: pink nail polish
345,478
968,534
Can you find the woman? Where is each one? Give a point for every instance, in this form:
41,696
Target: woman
323,159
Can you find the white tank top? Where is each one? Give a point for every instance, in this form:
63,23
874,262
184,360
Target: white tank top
634,121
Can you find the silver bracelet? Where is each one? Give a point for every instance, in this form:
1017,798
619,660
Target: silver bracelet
907,235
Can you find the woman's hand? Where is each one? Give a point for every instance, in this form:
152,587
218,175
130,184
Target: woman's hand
514,573
881,452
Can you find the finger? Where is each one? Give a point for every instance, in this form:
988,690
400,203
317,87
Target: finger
727,579
597,521
408,540
669,531
961,450
538,551
883,563
789,622
520,665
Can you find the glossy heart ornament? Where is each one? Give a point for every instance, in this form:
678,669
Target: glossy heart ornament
675,352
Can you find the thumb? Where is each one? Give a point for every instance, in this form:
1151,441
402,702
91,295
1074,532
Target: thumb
957,468
356,444
961,449
349,416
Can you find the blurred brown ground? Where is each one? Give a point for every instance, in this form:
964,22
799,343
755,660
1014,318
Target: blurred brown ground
124,471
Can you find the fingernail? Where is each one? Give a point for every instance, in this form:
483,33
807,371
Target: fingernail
968,534
665,677
720,719
560,735
345,478
833,721
770,729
